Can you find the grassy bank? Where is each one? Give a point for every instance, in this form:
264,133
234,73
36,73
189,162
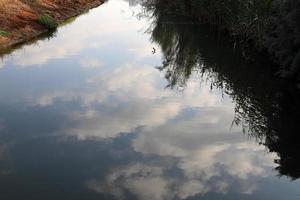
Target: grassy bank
269,26
22,20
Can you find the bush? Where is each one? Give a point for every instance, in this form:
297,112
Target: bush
3,33
270,26
47,21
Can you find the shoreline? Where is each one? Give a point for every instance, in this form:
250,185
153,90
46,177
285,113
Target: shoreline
268,28
33,30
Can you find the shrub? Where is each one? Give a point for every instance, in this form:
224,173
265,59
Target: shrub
271,26
47,21
3,33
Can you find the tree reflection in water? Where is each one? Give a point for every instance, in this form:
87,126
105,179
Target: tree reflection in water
266,107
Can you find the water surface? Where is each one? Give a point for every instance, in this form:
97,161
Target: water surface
118,106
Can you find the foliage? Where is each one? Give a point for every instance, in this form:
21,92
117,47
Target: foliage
47,21
267,108
271,26
3,33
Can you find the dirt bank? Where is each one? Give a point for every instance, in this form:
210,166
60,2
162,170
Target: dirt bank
22,20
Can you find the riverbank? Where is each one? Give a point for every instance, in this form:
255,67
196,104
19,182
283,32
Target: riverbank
23,20
268,27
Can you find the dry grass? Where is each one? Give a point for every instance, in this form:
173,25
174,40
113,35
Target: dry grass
20,18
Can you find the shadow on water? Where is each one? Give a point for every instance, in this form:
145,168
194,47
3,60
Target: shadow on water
267,107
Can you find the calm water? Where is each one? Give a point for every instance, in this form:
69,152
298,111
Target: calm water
95,112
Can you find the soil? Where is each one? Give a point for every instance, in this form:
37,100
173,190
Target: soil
19,18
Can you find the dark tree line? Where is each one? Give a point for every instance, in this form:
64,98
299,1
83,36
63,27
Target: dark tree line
267,106
270,26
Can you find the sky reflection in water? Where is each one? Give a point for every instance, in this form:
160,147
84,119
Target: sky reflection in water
86,115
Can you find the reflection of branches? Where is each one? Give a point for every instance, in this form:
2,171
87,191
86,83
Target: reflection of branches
263,104
269,25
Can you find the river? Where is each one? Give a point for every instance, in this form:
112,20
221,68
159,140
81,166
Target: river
117,105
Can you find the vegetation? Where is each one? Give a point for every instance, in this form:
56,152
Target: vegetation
3,33
25,19
47,21
270,26
266,107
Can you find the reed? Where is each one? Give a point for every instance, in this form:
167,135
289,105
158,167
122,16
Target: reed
269,26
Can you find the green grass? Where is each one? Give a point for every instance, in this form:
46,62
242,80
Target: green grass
47,21
3,33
